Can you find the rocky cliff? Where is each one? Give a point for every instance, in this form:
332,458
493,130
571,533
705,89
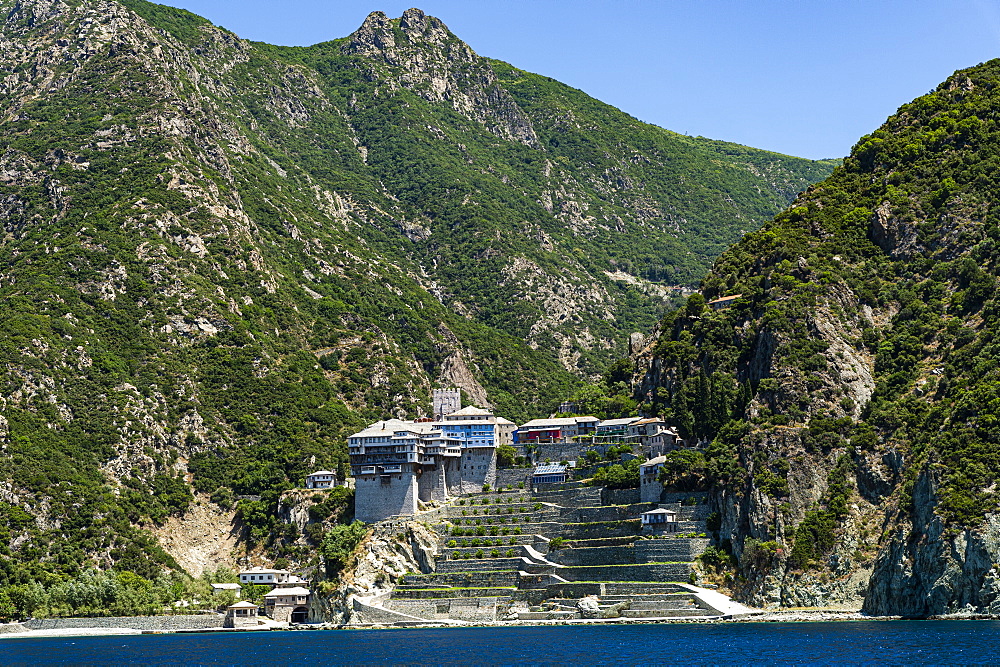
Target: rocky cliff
380,560
847,397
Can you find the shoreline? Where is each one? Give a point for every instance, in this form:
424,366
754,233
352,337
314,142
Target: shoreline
788,616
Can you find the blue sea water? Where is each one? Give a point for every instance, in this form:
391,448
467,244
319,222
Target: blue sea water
882,642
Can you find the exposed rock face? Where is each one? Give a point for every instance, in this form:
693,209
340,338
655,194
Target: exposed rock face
439,67
927,569
205,538
853,383
388,553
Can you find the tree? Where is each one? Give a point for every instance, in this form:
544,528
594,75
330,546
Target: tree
506,455
339,544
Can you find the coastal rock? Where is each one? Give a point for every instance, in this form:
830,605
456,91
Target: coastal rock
389,552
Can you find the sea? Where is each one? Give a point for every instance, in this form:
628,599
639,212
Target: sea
819,643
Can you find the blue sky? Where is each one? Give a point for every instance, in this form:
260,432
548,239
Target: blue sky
804,77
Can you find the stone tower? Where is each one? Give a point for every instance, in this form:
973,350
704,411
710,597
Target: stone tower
446,401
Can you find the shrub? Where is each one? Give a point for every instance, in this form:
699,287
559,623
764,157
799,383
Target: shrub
452,544
339,544
480,553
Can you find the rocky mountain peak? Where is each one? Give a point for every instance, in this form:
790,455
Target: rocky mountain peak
418,52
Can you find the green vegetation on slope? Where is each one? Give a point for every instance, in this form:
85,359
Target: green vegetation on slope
889,265
222,259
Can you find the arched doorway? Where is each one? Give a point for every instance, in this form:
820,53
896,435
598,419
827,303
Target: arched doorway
299,615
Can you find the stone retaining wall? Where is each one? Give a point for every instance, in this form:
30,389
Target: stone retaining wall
620,496
452,553
603,542
463,579
559,451
613,555
8,628
194,621
364,613
448,593
608,513
475,610
600,529
669,549
514,476
685,496
653,572
485,565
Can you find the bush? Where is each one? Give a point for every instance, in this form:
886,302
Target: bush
506,456
339,544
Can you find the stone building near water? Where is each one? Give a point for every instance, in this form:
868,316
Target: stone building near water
240,615
287,604
397,463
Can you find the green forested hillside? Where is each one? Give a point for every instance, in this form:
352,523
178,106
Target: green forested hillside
220,257
851,394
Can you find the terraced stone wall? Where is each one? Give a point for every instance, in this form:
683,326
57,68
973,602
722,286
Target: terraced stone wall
654,572
484,565
670,549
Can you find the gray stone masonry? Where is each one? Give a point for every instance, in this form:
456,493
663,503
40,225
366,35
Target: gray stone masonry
603,542
601,529
465,540
653,572
473,610
463,552
595,556
364,613
632,589
485,565
9,628
375,500
690,526
605,513
559,451
507,477
688,512
194,621
620,496
462,579
642,551
436,593
669,549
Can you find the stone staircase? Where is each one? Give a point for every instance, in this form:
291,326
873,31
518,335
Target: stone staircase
554,555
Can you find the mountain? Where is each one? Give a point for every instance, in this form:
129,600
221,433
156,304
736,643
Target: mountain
220,257
848,396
